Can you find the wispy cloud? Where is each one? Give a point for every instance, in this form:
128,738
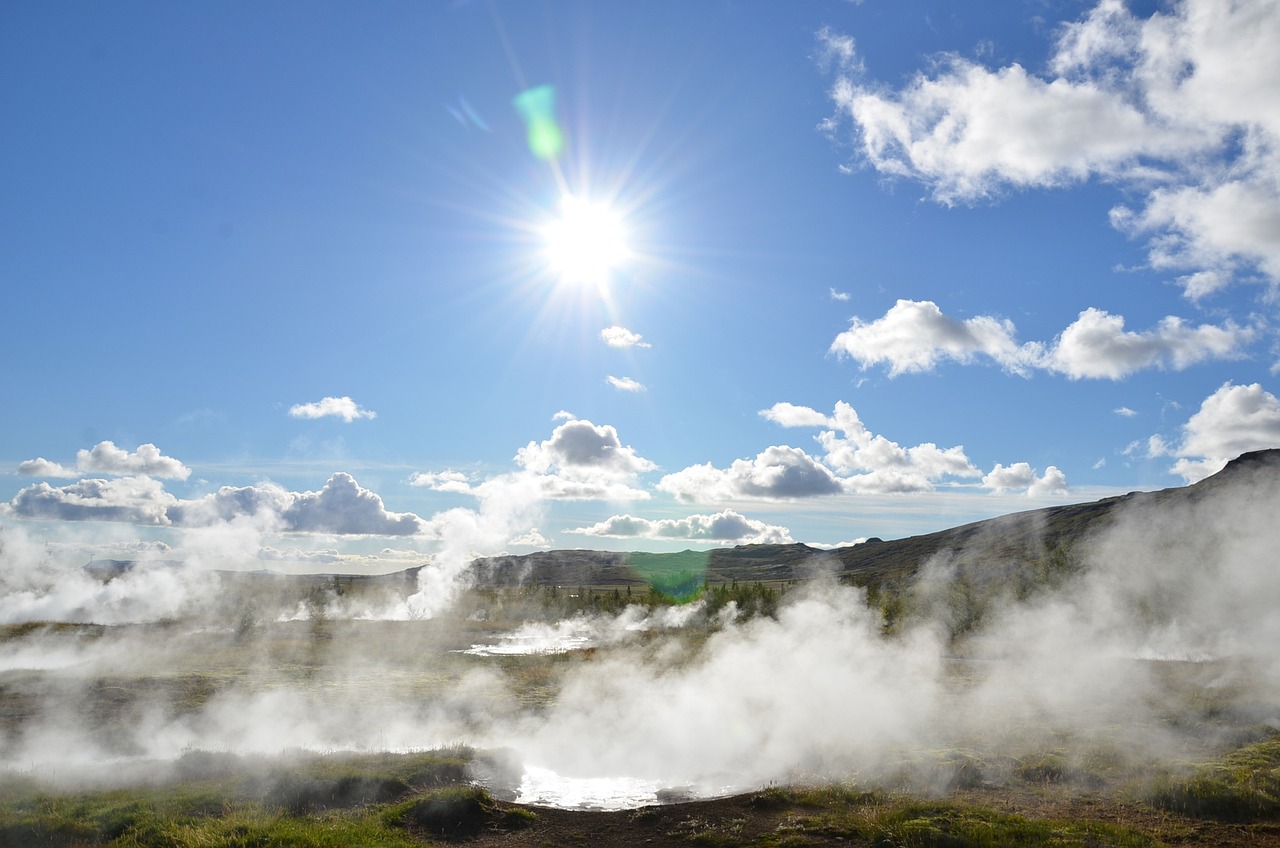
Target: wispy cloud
621,337
624,384
332,407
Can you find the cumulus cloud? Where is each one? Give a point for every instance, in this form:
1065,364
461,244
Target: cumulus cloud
915,336
856,461
345,507
1177,108
1231,421
581,461
1022,477
776,473
790,415
625,384
532,539
725,527
581,448
334,407
621,337
1097,345
133,500
341,507
41,467
874,464
106,458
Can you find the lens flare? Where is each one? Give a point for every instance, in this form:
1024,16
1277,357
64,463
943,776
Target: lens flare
538,108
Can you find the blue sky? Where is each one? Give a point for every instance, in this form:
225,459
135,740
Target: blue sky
279,272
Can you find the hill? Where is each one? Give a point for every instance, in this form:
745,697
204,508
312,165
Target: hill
1026,542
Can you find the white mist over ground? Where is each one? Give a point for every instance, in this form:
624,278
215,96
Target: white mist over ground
669,700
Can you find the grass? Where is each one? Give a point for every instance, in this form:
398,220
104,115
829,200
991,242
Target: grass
456,812
1241,786
939,825
825,815
222,799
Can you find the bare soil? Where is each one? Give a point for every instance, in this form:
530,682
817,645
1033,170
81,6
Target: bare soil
742,821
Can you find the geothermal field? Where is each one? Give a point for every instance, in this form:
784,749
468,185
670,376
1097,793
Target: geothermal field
1115,681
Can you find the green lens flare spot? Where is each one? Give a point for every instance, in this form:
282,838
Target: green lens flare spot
677,577
538,108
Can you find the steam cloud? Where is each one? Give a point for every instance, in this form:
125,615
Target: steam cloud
817,692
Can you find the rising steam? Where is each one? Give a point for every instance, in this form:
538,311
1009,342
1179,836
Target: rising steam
818,692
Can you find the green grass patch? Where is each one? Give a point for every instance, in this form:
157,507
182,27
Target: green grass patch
877,822
456,812
223,799
1242,786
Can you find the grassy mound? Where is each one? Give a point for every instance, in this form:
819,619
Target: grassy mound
457,812
1242,786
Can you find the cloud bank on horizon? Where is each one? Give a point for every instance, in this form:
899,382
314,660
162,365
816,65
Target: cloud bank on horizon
1172,117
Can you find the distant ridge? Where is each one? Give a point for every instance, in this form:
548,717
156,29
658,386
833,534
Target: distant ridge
1008,542
1000,545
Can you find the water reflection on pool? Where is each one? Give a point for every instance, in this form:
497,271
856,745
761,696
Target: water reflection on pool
539,638
545,788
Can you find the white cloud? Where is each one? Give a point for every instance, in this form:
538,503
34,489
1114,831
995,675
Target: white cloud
1124,412
443,481
106,458
41,467
581,461
874,464
1021,476
133,500
725,527
856,461
1097,345
343,407
839,295
790,415
1231,421
915,336
621,337
579,446
777,473
624,384
837,51
1181,108
341,507
531,539
345,507
1150,448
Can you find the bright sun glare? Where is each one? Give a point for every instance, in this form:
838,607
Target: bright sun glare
586,242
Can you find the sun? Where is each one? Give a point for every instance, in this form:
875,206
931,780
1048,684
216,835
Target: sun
586,243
